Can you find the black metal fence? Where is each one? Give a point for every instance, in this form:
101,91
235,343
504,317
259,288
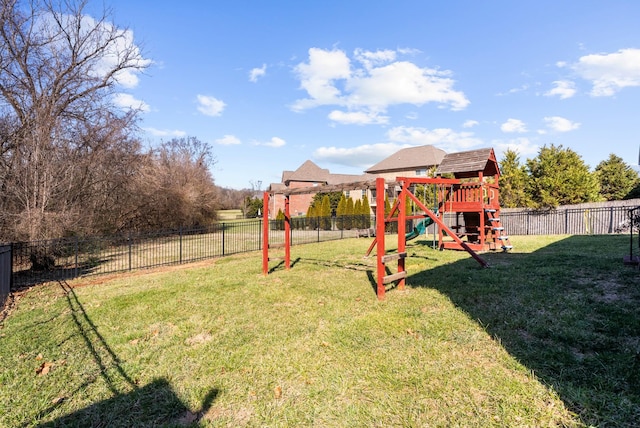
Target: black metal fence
41,261
5,273
570,221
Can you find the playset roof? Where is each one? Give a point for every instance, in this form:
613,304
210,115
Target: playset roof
409,158
470,163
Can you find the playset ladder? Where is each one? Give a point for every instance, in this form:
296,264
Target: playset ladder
496,230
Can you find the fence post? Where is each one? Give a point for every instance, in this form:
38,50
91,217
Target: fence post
180,244
75,275
610,219
11,280
129,239
223,238
6,271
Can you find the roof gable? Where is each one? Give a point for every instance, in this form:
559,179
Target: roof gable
470,163
410,158
309,171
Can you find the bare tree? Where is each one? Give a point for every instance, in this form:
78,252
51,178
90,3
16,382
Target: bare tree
59,70
175,186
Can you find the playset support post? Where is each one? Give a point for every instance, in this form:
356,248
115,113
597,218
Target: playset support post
380,225
287,234
402,230
265,233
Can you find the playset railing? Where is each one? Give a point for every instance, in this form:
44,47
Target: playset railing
470,196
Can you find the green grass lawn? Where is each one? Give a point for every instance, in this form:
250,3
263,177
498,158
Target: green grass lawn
548,336
225,215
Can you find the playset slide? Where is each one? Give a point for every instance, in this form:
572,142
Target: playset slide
419,229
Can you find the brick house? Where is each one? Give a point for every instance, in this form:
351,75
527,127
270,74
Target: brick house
307,175
408,162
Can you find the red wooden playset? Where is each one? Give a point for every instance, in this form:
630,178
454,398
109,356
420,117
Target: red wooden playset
471,198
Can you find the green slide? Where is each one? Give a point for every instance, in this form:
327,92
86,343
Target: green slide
420,229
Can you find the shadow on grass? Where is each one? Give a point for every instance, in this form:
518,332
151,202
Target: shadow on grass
358,266
27,278
280,265
570,312
155,404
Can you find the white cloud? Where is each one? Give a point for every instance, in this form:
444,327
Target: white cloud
610,73
523,146
445,138
165,132
362,156
403,83
399,137
563,88
228,140
370,59
210,106
119,46
357,118
513,125
273,142
127,77
560,124
128,101
376,81
318,77
256,73
516,90
470,123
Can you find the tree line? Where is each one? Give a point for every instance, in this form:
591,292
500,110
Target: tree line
559,176
72,163
70,159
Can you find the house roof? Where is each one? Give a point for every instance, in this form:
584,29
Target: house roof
409,158
470,163
348,178
308,171
276,187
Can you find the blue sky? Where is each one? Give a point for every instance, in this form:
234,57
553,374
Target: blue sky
271,84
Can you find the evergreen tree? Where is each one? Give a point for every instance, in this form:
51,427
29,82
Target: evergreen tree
334,199
348,219
426,194
357,214
389,227
325,213
279,220
252,206
341,212
513,181
616,178
634,193
312,217
559,176
366,212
